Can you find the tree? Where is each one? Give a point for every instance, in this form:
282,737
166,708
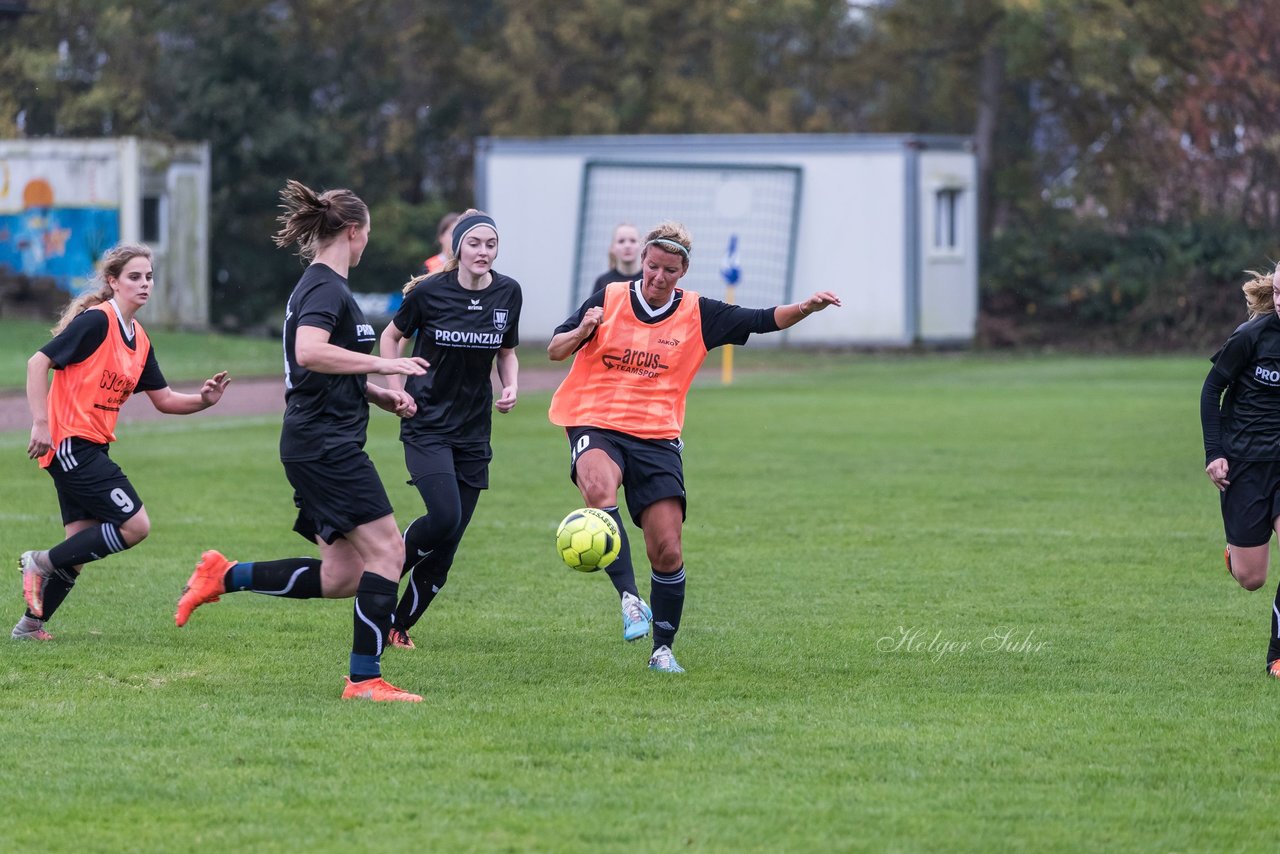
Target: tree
671,66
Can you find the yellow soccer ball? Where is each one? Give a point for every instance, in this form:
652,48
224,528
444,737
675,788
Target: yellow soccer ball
588,539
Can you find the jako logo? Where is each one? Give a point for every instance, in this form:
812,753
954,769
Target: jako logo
1268,377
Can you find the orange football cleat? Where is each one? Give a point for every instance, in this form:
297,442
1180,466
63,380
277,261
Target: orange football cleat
36,570
378,690
204,586
399,638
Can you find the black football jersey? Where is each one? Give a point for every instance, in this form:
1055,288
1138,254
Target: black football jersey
459,332
323,411
1250,361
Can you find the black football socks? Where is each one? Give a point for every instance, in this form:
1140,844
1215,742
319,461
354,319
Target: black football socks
291,578
1273,648
621,572
666,598
424,584
88,545
375,600
56,588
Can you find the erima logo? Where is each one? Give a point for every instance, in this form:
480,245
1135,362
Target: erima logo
1263,375
475,306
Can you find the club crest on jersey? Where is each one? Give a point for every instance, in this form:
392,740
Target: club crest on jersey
475,306
500,319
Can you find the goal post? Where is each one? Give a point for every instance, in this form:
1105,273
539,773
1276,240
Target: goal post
758,203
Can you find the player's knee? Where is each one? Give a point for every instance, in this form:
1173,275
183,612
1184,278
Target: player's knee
135,530
666,555
448,526
388,559
598,484
600,493
1248,566
1250,580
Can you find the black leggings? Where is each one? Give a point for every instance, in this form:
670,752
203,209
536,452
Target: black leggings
450,505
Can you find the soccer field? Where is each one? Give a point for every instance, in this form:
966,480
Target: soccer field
934,603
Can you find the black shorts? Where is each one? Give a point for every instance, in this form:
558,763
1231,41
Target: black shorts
1251,503
337,493
468,463
652,469
90,485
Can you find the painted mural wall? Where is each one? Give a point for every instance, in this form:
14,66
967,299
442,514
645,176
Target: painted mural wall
58,215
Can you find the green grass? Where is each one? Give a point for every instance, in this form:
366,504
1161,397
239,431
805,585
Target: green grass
183,356
835,509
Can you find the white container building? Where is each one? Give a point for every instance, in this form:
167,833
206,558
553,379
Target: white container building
886,221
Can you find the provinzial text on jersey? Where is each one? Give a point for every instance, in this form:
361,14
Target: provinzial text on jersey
486,339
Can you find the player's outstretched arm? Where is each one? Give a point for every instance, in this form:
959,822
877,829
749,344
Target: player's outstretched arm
172,402
787,316
314,352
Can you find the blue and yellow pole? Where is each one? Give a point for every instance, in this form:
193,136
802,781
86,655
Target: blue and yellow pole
731,271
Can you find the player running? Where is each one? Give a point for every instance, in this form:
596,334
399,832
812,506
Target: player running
342,505
639,345
100,355
462,320
1242,441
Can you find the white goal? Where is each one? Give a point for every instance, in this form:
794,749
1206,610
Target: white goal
757,204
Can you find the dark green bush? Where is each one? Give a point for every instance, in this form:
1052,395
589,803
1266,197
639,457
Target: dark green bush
1173,285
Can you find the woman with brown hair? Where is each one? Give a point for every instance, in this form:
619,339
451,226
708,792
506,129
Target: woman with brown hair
100,355
342,505
464,320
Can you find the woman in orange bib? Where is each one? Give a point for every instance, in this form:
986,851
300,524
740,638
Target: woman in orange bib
638,346
100,355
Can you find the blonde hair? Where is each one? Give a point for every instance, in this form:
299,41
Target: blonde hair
670,232
312,219
112,264
452,263
613,259
1258,295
